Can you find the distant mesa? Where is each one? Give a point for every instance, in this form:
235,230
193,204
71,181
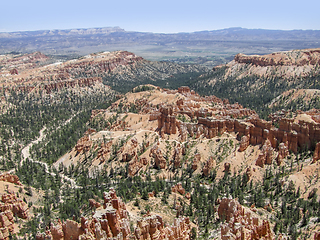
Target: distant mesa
286,58
283,65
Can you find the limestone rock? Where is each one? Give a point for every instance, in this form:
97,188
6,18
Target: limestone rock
240,224
196,160
244,143
152,227
104,151
15,205
7,177
57,231
316,154
93,203
249,173
167,121
306,57
113,224
84,144
282,153
210,163
156,153
178,188
227,167
5,223
265,156
177,156
135,165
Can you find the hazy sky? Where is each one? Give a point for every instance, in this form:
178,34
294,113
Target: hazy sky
164,16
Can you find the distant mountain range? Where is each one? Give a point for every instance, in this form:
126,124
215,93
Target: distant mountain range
204,47
230,34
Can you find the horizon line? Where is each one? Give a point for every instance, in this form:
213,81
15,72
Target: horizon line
117,27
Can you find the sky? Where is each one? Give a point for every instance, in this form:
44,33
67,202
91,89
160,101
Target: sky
165,16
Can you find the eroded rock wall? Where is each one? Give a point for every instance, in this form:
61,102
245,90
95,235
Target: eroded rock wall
240,224
114,224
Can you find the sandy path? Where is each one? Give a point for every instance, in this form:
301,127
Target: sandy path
26,154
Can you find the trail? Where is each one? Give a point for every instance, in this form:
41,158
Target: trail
26,150
26,155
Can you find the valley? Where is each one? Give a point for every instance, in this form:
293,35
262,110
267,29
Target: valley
208,48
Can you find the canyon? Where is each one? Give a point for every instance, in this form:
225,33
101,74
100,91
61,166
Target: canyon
157,162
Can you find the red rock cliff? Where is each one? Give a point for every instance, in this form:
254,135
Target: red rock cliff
305,57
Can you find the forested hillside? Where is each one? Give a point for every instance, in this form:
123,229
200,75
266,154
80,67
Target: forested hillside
254,81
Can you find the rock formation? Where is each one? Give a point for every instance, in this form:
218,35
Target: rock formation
114,224
104,151
178,188
177,156
167,121
196,160
15,205
244,143
239,224
93,203
11,206
316,154
253,130
290,135
156,153
282,153
7,177
152,227
135,165
249,173
227,167
265,156
130,151
210,163
84,144
306,57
